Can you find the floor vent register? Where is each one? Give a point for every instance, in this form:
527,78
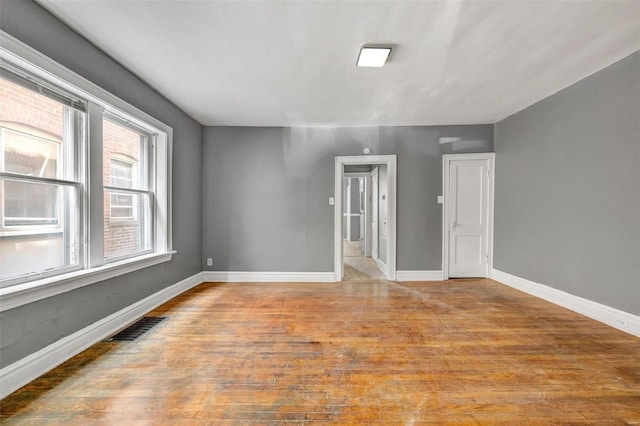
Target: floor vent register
136,329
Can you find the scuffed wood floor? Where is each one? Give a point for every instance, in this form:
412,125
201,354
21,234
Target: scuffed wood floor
464,352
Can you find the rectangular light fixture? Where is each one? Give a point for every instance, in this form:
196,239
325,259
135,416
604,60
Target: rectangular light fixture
373,56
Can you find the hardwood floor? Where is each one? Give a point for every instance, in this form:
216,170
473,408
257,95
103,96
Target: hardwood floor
351,249
464,352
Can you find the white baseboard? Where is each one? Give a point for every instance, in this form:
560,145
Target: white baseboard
21,372
616,318
419,275
268,277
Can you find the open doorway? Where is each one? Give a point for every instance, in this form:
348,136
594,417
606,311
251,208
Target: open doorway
360,206
365,218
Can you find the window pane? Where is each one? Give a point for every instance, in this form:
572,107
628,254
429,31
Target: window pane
121,206
32,131
29,155
54,245
27,204
127,224
124,156
121,173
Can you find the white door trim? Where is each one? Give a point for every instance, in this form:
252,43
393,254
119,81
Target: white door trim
391,163
446,163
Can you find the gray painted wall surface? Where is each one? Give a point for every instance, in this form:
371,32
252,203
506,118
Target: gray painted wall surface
29,328
567,202
355,228
283,178
355,195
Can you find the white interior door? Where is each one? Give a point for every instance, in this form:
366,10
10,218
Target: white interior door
468,218
374,214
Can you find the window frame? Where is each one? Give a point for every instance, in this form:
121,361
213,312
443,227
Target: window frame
94,268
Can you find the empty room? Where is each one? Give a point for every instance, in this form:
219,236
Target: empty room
319,212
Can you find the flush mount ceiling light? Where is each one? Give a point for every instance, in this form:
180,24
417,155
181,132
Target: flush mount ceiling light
371,56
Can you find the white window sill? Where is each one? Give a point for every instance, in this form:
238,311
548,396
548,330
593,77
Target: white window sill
22,294
31,233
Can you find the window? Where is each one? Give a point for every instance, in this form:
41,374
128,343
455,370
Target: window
70,215
125,147
39,189
121,177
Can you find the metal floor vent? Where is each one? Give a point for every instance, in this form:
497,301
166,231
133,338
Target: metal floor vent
136,329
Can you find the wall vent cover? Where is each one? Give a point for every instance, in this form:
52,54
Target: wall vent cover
136,329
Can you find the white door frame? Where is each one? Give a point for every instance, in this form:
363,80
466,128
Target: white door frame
391,162
446,166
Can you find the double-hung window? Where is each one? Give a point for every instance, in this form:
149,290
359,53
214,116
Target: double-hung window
127,189
84,179
41,131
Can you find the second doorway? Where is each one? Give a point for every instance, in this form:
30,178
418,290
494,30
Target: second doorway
365,222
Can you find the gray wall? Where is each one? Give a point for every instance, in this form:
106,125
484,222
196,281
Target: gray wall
567,210
283,178
29,328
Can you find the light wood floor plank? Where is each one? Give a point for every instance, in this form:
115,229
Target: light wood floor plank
453,352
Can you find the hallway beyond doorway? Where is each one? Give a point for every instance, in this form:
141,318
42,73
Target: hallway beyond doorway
357,267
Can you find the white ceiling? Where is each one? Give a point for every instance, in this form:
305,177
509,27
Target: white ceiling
285,63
